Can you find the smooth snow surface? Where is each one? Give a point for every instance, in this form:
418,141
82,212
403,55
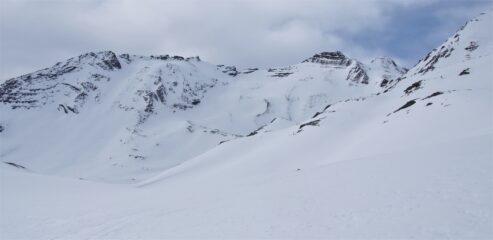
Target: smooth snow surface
316,153
438,191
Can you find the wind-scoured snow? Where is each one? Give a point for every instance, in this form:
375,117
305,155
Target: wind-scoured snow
327,148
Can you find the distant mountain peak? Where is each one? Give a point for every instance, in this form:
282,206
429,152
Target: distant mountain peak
388,64
330,58
384,60
106,60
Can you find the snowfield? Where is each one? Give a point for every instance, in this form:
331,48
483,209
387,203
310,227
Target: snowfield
130,147
438,191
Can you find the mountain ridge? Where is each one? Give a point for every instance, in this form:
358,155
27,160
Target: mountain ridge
170,97
187,91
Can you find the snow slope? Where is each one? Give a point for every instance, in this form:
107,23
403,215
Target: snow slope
411,158
395,195
125,118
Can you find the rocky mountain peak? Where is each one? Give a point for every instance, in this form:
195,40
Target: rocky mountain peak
330,58
107,60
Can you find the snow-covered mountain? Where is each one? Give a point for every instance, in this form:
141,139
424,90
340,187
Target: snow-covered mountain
124,118
330,147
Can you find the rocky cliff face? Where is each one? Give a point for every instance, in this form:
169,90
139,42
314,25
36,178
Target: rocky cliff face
330,58
357,72
39,88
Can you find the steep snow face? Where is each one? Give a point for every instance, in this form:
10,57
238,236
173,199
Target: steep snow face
386,69
292,94
460,64
472,41
109,117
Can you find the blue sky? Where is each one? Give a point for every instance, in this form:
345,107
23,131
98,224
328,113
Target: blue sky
35,34
413,31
